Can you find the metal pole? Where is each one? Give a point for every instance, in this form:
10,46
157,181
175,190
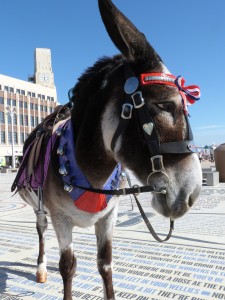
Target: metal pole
11,110
12,129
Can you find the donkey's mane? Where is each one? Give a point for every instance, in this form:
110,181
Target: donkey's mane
87,94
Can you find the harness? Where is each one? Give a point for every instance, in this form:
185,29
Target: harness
134,101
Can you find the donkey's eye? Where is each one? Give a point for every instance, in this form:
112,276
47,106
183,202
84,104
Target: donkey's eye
166,106
161,105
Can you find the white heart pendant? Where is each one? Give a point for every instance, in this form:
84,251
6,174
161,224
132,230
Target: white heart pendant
148,127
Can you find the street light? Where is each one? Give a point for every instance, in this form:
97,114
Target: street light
11,111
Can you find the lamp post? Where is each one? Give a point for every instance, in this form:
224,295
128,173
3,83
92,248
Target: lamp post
11,111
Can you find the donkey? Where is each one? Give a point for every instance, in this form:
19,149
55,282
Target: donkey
129,112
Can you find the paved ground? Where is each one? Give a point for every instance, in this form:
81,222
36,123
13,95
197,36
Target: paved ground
191,265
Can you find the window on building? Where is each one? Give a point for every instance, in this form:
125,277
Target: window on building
43,97
11,89
29,94
48,98
10,137
51,109
2,117
52,99
36,121
26,120
32,121
25,104
13,102
45,108
33,95
18,91
9,102
21,138
21,104
21,119
41,107
36,106
6,88
0,87
15,138
2,137
26,136
9,119
39,95
1,100
22,92
14,119
31,105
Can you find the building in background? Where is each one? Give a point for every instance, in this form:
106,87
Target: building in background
24,104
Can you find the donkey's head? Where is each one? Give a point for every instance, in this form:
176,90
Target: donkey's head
145,124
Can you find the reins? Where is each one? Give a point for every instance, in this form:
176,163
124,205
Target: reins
134,100
134,190
146,220
149,226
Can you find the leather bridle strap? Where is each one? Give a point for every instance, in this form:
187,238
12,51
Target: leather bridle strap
124,121
135,190
147,124
147,222
149,226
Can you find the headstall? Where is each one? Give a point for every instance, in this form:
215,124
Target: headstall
136,102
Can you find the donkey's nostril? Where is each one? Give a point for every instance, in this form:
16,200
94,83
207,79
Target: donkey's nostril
190,202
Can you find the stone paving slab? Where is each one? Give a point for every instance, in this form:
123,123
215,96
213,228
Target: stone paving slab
191,265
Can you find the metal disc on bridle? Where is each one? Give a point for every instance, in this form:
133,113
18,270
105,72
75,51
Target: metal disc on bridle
131,85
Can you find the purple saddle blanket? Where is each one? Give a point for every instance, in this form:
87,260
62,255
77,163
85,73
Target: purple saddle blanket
35,164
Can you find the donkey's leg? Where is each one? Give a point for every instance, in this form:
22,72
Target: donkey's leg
104,232
67,262
41,225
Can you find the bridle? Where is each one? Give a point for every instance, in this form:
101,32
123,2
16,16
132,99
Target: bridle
135,101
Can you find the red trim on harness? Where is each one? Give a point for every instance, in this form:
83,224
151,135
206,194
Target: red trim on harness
91,202
148,78
189,94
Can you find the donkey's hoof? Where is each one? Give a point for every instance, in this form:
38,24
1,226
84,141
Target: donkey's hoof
41,277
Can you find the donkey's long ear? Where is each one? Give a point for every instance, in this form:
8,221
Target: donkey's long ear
126,37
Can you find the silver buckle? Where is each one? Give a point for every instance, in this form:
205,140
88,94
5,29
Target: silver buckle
127,114
135,186
160,158
141,98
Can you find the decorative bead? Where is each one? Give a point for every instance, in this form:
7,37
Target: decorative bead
62,150
122,176
60,131
68,187
64,169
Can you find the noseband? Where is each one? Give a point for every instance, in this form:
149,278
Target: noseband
135,101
